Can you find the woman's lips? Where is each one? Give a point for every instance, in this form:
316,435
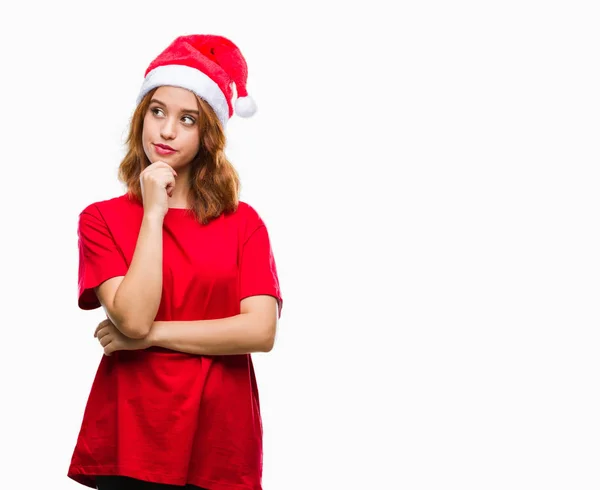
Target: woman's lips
164,149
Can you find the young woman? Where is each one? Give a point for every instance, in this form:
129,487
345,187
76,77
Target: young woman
186,275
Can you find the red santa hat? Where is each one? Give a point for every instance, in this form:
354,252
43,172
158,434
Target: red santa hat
207,65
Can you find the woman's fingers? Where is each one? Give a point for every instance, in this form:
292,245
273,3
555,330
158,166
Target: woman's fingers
101,325
102,333
108,348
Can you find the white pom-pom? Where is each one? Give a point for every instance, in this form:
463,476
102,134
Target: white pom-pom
245,106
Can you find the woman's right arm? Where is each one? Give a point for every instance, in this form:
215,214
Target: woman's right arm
132,301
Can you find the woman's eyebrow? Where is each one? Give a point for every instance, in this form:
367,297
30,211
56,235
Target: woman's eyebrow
193,111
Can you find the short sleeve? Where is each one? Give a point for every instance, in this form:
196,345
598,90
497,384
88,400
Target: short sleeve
99,257
258,272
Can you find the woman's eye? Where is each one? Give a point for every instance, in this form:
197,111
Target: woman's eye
189,120
156,111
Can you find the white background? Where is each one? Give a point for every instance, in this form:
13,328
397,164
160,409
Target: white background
429,178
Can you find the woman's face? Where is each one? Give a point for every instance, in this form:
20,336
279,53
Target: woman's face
170,132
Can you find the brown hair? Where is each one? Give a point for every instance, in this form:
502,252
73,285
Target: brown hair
214,182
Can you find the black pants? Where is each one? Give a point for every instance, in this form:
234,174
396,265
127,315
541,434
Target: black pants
126,483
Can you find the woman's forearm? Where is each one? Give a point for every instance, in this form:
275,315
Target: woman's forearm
240,334
138,297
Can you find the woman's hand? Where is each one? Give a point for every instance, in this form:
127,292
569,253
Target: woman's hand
157,183
113,340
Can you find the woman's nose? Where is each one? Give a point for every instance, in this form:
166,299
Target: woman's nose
167,130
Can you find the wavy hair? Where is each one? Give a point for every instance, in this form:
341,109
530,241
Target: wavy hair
214,182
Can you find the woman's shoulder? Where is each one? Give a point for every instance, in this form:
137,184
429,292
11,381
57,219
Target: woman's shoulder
247,215
116,204
118,211
246,210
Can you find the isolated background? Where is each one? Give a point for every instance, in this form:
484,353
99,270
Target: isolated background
428,172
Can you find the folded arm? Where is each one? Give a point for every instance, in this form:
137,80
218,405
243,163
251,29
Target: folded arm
253,330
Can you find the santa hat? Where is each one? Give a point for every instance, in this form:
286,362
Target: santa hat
208,66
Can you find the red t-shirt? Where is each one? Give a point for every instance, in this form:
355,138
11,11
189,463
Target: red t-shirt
165,416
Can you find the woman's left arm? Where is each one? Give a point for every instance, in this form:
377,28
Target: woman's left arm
253,330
